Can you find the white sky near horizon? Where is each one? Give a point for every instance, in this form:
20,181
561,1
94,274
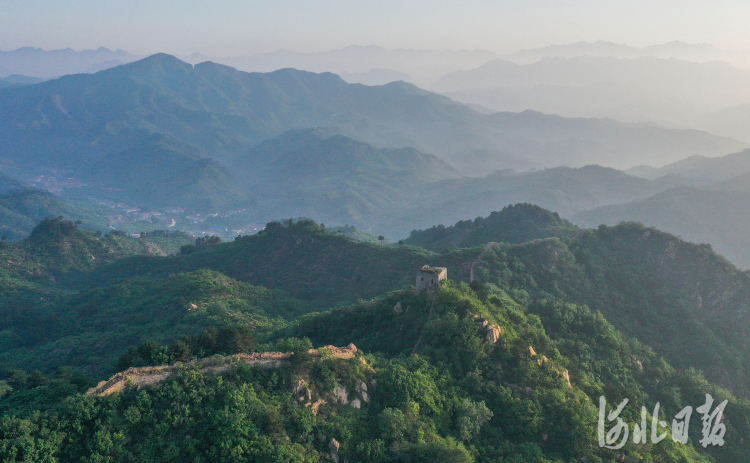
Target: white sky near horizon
242,27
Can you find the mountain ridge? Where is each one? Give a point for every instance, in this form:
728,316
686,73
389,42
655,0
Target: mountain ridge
225,111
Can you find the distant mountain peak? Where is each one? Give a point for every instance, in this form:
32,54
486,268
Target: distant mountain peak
363,48
161,60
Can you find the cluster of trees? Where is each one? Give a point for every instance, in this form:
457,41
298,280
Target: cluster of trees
513,224
226,340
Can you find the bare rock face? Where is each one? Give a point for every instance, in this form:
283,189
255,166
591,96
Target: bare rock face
341,395
334,446
352,348
566,375
397,310
362,389
492,333
532,351
302,392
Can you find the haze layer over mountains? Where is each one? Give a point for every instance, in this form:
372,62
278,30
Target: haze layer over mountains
159,133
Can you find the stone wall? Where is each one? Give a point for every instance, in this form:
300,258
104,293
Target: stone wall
139,377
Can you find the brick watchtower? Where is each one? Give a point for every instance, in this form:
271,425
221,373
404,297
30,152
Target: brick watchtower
429,278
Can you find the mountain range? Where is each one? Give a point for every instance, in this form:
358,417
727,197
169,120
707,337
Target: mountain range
49,64
707,204
673,92
69,123
360,64
560,292
701,52
161,133
534,331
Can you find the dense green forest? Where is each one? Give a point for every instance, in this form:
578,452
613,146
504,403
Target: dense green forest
514,224
21,208
506,362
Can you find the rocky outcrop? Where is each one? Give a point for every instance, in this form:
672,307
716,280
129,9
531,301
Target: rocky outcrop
302,392
566,376
491,332
334,446
341,395
542,360
397,310
362,389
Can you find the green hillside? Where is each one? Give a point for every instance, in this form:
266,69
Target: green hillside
49,261
563,190
164,172
514,224
92,329
302,258
652,286
319,173
459,399
22,208
681,299
508,367
716,217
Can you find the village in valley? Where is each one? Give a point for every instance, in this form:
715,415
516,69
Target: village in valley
132,219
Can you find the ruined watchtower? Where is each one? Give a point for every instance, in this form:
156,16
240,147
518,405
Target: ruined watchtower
428,278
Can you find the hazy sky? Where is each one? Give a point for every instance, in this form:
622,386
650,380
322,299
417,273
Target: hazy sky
238,27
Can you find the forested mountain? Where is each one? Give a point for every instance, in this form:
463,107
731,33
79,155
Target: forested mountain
5,84
164,172
16,80
235,351
699,170
338,269
507,368
69,121
320,173
10,183
638,277
361,61
47,263
514,224
716,217
21,209
563,189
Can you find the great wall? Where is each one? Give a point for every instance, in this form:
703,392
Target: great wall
139,377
